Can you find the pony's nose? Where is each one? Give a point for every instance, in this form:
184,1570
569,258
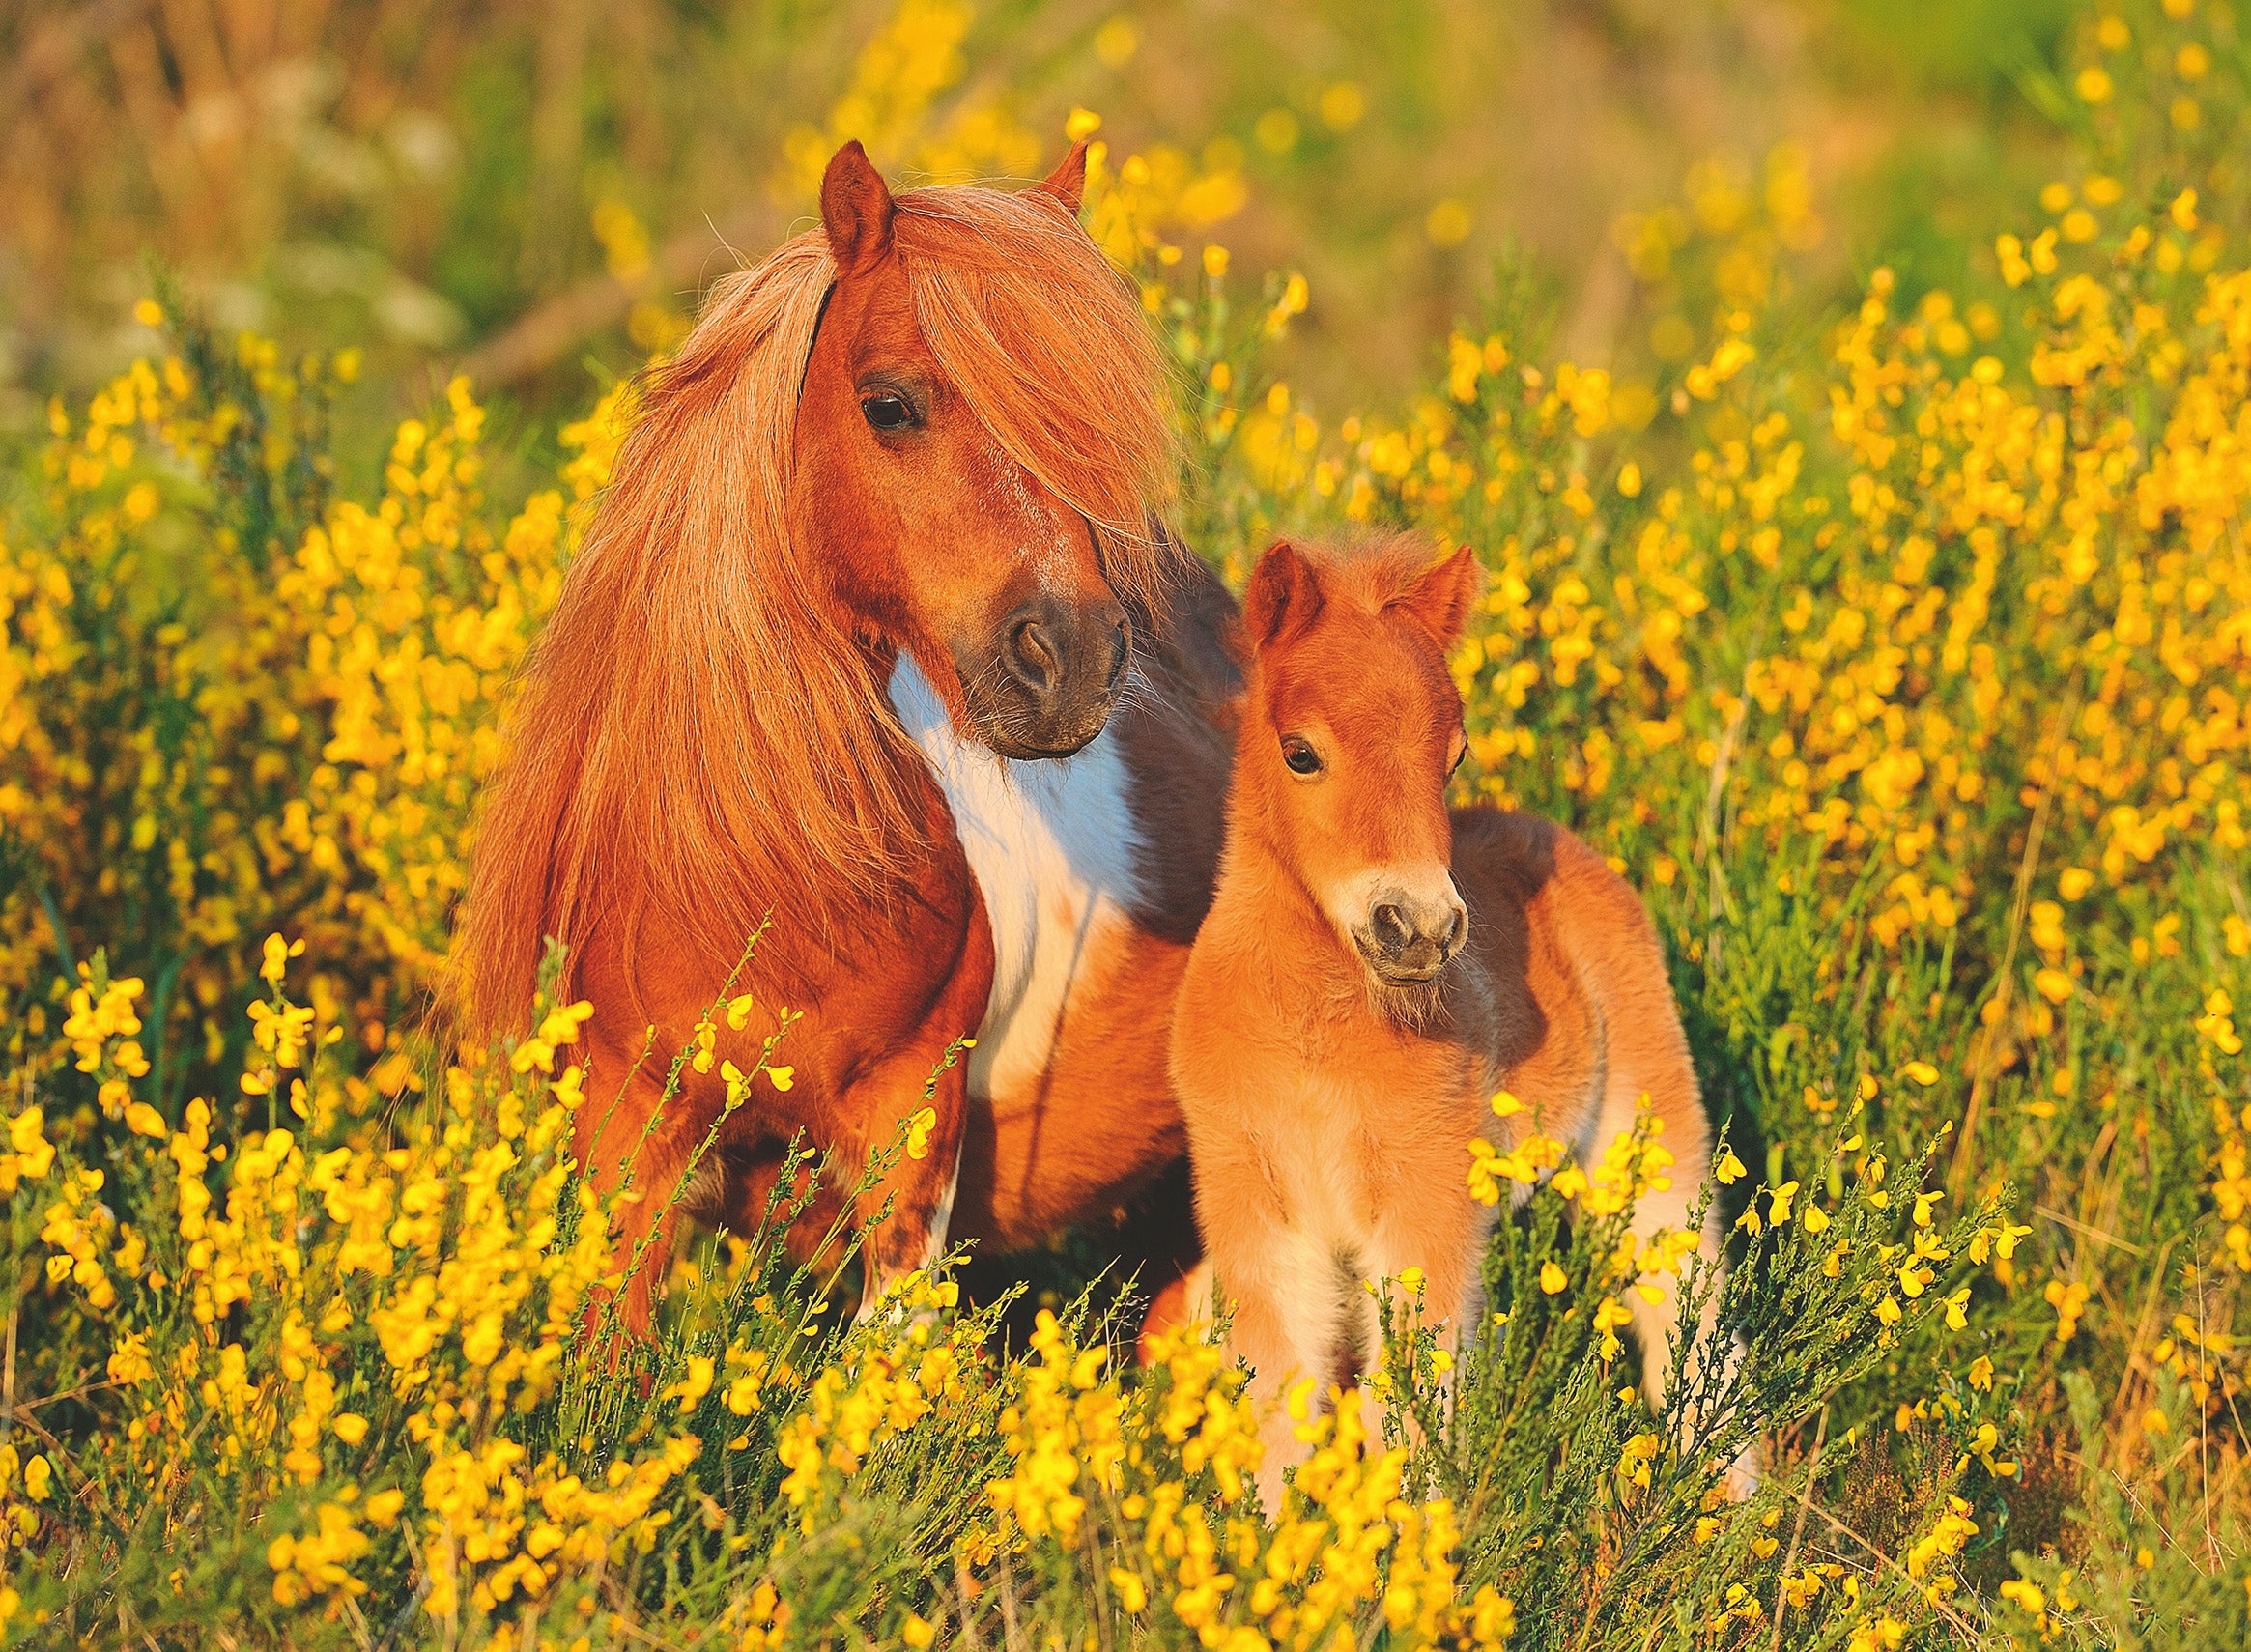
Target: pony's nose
1065,662
1411,936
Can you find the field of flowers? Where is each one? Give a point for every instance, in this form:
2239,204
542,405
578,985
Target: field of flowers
1902,656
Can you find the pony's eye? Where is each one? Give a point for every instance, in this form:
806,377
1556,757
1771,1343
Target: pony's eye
1460,752
888,413
1302,759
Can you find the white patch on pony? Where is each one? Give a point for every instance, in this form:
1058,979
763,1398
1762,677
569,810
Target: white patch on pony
1053,848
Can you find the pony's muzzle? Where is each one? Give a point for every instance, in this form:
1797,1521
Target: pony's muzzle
1061,667
1409,937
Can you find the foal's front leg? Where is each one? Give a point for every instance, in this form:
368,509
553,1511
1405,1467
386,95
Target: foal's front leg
1282,1287
1444,1236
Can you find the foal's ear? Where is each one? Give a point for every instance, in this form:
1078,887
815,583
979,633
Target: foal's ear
855,208
1440,600
1283,595
1068,182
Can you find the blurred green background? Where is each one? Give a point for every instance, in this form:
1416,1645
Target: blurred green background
536,192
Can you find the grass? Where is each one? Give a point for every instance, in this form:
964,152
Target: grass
1895,651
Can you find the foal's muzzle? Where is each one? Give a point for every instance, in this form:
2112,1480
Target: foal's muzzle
1053,676
1408,938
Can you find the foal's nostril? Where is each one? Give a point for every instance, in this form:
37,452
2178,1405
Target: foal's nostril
1390,926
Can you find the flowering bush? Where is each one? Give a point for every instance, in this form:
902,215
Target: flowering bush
1899,657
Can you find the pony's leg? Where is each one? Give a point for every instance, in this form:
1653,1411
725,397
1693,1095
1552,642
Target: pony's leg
1186,1301
1286,1294
1444,1237
1159,1241
640,1145
920,1189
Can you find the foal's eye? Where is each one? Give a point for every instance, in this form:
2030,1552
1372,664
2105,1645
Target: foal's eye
1300,759
888,413
1461,751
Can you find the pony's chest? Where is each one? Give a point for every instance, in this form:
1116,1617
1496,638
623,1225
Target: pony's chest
1053,848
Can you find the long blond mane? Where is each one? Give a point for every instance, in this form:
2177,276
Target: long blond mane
696,742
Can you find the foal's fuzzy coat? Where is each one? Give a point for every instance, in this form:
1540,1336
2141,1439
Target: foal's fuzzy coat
1374,969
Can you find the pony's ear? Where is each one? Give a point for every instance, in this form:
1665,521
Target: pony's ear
1440,600
1284,594
1068,182
855,208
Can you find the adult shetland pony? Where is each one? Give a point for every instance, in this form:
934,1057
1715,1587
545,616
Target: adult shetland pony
843,642
1375,967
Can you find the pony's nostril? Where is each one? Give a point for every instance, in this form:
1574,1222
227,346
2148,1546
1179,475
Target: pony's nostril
1458,932
1390,924
1035,659
1121,652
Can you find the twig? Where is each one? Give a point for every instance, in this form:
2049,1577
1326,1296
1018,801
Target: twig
962,1579
1943,1611
1708,833
1965,1154
76,1393
8,1373
2082,1229
1781,1604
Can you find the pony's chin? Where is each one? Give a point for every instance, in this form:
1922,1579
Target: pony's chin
1023,751
1407,1003
1410,999
1014,738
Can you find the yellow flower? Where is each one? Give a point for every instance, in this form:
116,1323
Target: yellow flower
1921,1071
1957,1310
918,1132
278,954
695,1385
1778,1202
2069,1302
1729,1168
1552,1278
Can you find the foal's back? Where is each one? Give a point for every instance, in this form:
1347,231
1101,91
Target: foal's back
1584,1022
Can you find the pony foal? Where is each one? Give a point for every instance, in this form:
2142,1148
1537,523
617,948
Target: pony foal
1375,968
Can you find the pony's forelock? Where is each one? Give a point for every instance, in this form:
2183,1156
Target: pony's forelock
1049,347
697,743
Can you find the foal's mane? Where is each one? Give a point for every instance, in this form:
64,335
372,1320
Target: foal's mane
699,742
